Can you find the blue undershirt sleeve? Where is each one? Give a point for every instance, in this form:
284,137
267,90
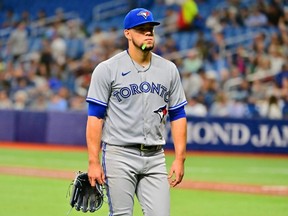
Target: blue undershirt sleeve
97,110
177,113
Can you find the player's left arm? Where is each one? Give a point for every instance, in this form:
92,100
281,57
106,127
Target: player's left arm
179,136
177,115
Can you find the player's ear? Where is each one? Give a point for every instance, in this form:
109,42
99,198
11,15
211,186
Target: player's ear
127,34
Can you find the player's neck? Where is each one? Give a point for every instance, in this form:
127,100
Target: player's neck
140,57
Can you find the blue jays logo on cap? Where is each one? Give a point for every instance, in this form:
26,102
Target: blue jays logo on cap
145,14
138,16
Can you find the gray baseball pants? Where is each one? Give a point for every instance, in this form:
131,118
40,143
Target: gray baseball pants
130,171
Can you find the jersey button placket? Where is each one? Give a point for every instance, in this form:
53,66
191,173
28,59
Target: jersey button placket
145,104
146,125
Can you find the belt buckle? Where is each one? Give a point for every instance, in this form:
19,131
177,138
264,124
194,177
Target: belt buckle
143,147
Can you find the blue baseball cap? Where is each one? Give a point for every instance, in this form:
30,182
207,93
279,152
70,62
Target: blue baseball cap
138,16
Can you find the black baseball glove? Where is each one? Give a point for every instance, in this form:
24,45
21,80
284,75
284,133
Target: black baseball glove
85,197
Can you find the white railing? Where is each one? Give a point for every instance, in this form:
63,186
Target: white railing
110,9
35,27
4,33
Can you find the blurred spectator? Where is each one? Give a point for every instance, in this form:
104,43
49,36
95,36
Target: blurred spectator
220,106
58,49
63,92
209,88
46,59
78,103
18,41
192,62
242,91
57,103
5,102
98,37
202,45
170,21
262,68
272,88
256,18
59,14
195,107
60,28
21,82
260,42
170,45
4,78
75,29
284,89
283,74
41,17
213,21
232,18
231,79
243,15
112,38
271,108
237,108
240,59
191,82
82,76
283,20
25,17
217,52
258,90
262,5
40,83
285,107
252,110
276,40
273,13
39,103
276,58
285,44
10,19
20,101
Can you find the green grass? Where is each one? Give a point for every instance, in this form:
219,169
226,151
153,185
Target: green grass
256,170
44,159
203,203
30,196
268,171
27,196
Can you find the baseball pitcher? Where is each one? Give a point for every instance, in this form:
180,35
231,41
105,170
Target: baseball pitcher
130,96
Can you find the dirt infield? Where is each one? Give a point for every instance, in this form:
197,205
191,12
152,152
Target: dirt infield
186,184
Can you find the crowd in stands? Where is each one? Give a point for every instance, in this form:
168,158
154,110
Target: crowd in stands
248,81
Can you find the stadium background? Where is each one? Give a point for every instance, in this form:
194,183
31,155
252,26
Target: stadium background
232,58
43,89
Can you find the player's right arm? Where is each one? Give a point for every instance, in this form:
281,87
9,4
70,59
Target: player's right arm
98,95
93,138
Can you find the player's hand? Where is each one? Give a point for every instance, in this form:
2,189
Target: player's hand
96,173
176,172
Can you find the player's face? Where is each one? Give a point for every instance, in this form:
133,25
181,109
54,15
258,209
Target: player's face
143,34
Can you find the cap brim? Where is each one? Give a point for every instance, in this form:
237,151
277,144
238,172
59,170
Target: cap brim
146,22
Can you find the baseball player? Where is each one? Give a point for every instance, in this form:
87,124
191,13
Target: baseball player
130,96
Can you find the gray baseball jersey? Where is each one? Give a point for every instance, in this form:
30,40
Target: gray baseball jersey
137,98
